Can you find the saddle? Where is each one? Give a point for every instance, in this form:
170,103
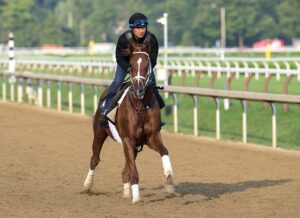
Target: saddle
117,95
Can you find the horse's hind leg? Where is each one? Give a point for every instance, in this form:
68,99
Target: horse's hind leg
155,143
99,138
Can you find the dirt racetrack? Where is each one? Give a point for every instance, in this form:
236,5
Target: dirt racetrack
44,158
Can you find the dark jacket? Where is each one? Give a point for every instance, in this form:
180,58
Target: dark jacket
122,43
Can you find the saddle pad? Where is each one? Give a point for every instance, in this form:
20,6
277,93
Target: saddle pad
112,114
114,132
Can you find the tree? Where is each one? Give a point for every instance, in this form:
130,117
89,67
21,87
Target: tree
288,16
191,22
18,19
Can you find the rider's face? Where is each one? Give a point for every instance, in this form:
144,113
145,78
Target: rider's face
139,32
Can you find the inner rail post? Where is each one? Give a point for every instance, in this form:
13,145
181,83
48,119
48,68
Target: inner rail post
70,95
218,122
274,129
4,88
82,99
12,81
95,97
195,109
20,90
175,109
244,106
48,93
40,92
59,95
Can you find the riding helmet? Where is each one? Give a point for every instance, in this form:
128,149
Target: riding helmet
138,20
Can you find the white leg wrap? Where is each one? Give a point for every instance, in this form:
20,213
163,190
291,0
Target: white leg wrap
126,193
167,166
88,183
135,193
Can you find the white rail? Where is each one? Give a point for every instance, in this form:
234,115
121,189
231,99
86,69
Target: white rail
173,90
59,65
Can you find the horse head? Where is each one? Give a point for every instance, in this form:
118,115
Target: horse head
140,68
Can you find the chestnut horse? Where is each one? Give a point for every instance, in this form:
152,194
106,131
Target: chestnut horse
137,122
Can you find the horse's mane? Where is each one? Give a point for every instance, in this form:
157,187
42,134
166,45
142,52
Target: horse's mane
134,47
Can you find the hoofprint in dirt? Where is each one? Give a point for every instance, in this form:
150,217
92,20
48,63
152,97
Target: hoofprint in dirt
44,157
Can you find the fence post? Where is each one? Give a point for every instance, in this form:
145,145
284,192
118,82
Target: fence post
59,95
82,99
175,109
48,94
70,97
285,90
4,88
195,100
274,129
267,80
20,90
277,68
218,122
237,73
11,63
244,106
95,98
40,93
256,67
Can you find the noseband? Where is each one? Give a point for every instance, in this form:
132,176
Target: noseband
143,80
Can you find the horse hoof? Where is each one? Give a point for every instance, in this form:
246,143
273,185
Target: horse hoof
135,200
87,185
170,189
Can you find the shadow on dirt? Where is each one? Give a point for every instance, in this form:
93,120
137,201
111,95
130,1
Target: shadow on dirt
216,190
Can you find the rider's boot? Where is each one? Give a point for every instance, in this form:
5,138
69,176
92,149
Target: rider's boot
104,111
103,120
161,103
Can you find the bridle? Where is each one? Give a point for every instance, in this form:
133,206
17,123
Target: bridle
144,81
141,80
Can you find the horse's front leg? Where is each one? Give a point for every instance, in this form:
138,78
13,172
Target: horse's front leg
130,155
155,143
126,177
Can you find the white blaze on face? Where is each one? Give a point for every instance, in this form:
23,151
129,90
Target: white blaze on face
139,61
139,66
